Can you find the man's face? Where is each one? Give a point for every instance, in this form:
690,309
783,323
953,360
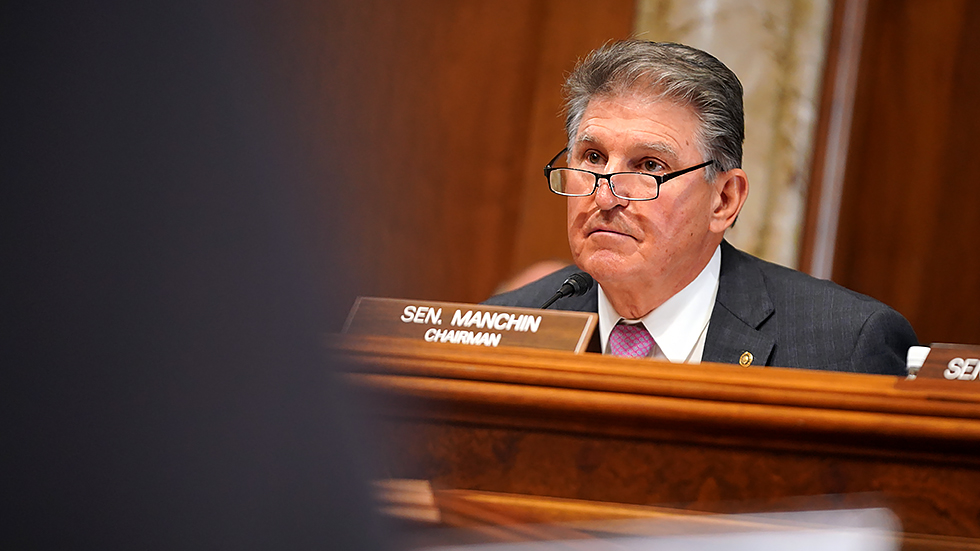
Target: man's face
625,244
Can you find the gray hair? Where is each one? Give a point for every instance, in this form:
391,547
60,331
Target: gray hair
672,72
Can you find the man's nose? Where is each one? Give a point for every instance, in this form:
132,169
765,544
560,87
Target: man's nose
604,198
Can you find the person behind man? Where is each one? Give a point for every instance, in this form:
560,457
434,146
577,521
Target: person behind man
653,180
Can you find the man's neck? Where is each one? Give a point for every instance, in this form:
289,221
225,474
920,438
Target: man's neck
636,297
678,325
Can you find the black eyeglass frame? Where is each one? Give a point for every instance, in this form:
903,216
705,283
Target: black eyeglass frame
548,169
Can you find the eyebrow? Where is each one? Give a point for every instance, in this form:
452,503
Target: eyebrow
585,139
662,148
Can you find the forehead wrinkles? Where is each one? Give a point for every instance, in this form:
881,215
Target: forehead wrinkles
641,90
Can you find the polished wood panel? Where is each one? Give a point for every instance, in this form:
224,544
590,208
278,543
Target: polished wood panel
713,437
541,232
820,225
430,121
908,233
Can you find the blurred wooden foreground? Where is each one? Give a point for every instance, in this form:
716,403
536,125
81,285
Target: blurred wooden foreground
707,438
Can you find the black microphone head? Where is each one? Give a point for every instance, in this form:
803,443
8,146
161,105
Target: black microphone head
576,285
580,282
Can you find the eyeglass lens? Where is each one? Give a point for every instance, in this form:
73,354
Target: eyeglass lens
627,185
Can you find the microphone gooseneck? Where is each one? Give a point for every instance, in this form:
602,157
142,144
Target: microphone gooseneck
575,286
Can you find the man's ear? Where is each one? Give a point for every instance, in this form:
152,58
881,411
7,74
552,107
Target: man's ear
731,190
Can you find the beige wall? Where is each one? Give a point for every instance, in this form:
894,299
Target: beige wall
777,49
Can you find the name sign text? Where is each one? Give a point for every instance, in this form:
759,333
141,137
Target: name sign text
471,324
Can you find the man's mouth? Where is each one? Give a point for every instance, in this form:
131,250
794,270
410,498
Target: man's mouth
607,231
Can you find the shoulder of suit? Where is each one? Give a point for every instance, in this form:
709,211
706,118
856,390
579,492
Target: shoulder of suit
780,279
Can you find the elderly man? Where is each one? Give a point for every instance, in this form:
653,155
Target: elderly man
653,180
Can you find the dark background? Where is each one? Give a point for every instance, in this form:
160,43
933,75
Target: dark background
163,382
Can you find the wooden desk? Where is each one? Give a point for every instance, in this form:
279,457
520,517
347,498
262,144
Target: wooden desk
709,437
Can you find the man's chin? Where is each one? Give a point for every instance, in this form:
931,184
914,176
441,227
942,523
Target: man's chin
607,268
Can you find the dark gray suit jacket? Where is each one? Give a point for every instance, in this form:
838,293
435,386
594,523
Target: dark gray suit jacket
781,316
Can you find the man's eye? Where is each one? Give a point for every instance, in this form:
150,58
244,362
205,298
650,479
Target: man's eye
593,158
651,165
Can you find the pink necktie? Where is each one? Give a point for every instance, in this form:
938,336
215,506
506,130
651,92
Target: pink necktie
633,341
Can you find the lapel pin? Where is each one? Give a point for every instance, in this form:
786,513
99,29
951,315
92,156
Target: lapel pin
745,359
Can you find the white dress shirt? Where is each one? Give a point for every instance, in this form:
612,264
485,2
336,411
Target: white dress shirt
680,324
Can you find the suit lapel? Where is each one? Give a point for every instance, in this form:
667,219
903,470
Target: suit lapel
742,306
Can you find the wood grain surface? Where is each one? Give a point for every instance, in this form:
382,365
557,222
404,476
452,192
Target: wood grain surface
428,124
908,234
711,437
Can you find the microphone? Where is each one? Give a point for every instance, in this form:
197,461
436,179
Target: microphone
575,286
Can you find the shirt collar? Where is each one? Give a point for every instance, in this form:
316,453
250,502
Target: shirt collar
679,323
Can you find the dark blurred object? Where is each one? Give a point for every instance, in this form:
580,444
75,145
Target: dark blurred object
163,382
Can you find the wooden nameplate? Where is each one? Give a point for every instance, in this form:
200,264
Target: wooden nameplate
948,366
471,324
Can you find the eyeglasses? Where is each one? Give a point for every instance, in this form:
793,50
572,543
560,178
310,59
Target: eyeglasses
632,186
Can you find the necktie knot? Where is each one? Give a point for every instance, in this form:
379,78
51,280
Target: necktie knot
631,340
